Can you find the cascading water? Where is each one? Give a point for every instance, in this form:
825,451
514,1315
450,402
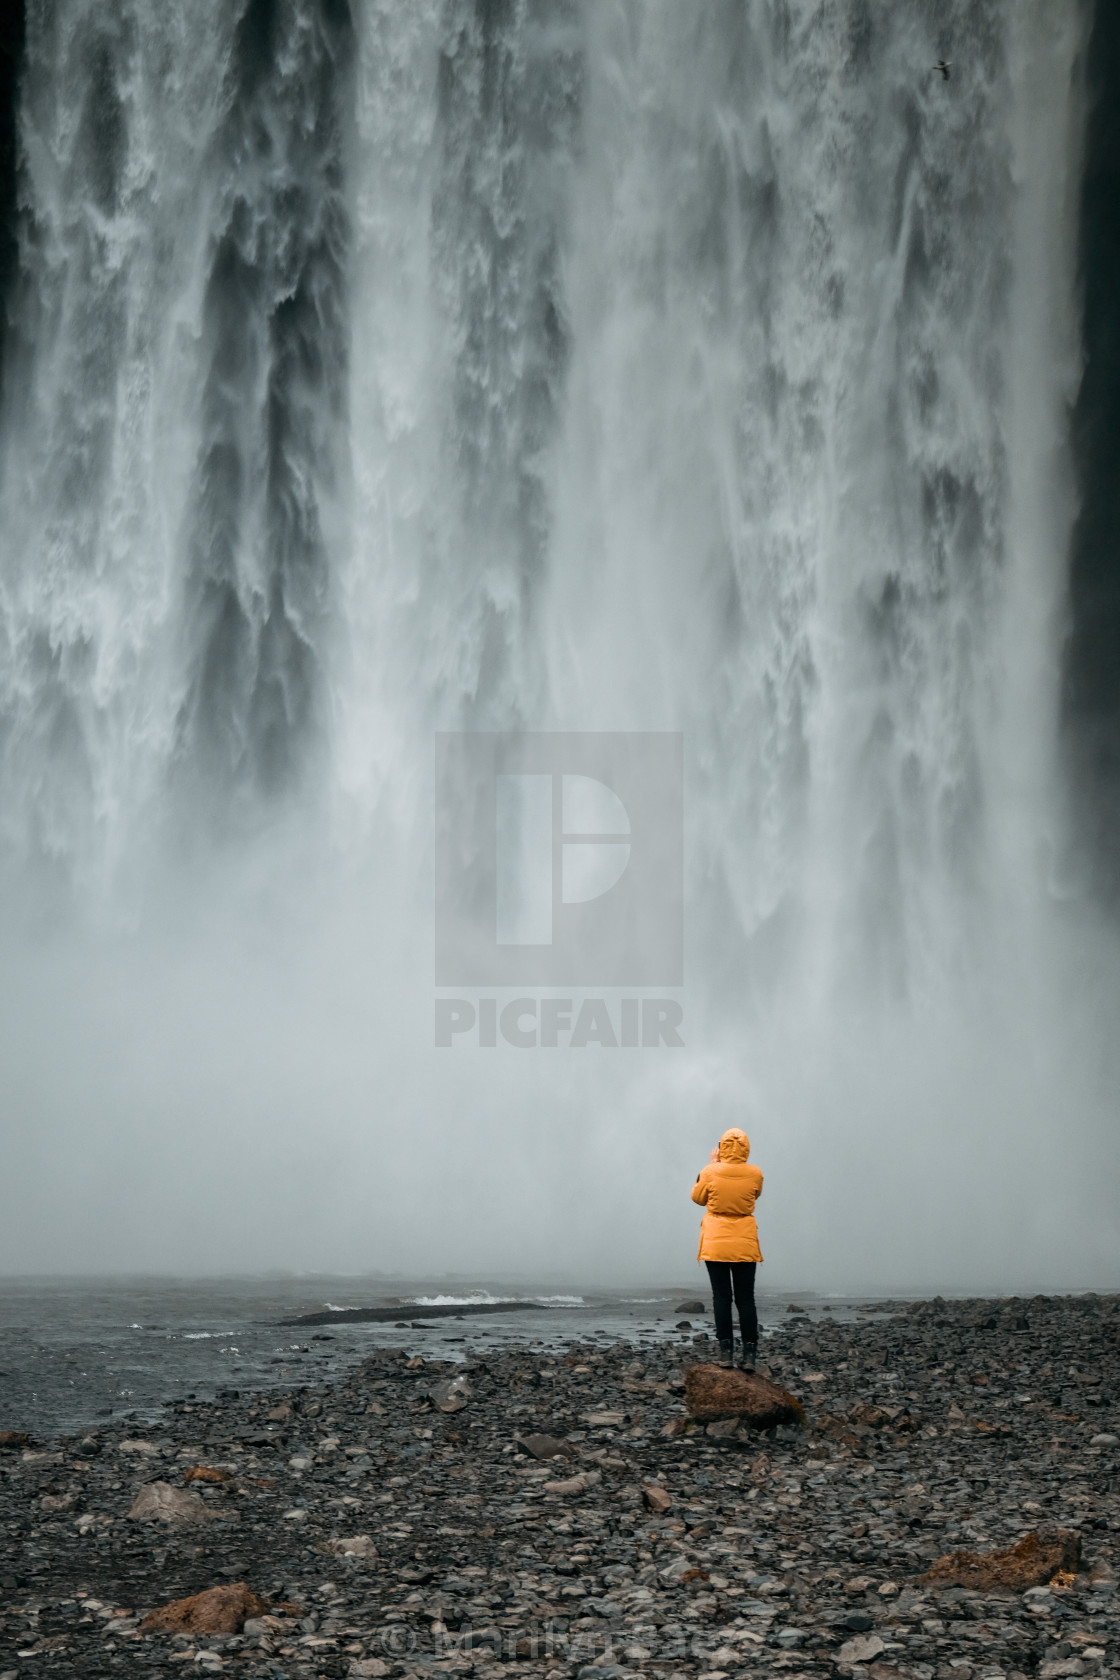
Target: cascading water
503,364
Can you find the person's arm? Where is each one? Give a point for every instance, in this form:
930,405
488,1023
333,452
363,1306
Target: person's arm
701,1187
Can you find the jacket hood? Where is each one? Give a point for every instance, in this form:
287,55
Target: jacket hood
734,1145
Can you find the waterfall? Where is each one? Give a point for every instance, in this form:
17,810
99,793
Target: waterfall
547,365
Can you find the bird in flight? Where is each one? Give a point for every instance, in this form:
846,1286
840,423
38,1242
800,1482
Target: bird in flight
942,67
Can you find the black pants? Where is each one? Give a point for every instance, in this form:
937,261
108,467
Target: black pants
737,1274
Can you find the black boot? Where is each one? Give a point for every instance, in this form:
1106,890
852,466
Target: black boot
747,1356
725,1354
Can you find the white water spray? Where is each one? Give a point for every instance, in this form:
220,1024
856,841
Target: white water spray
596,365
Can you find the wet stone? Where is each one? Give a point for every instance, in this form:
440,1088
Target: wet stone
547,1446
389,1539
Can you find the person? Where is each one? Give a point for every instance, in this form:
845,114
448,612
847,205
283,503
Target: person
727,1189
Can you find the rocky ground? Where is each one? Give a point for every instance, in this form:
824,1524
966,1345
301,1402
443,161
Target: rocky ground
400,1523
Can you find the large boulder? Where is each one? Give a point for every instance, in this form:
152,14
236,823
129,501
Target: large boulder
1033,1562
219,1610
712,1392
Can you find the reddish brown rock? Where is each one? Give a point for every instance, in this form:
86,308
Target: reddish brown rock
868,1417
712,1392
219,1610
836,1430
1035,1561
656,1497
203,1473
12,1439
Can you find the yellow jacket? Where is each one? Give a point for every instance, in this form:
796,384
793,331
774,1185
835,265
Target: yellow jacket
727,1189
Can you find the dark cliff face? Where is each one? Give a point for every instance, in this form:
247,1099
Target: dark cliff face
1092,687
11,54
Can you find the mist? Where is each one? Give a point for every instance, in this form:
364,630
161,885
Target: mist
582,366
